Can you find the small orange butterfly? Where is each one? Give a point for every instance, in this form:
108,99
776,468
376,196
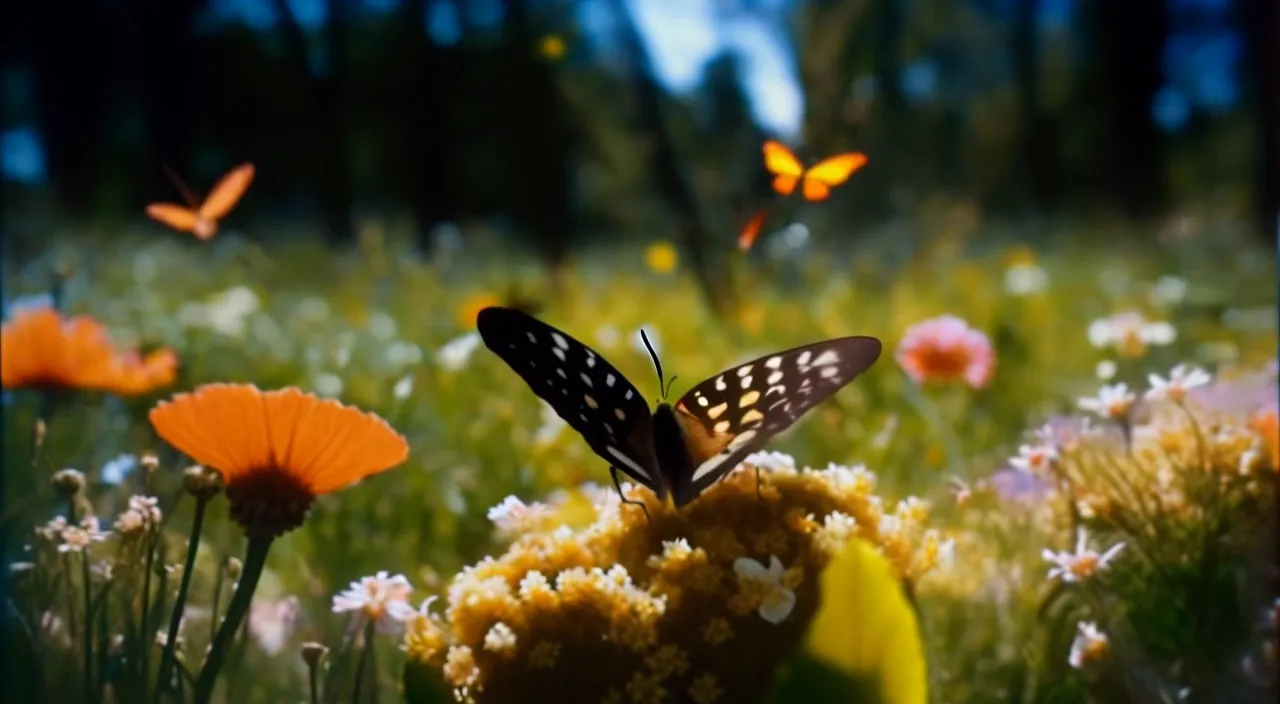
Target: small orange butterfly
202,221
816,181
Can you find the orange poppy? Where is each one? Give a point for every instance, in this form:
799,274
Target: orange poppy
39,349
202,220
276,450
136,374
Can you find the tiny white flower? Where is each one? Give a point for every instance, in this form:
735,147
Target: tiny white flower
513,516
1037,459
500,638
1106,370
1025,280
608,337
778,600
1168,291
1089,645
773,461
1112,402
327,384
79,537
382,326
376,597
455,353
403,388
1083,563
1130,333
1181,380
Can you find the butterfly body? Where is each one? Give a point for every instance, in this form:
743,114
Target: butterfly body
676,450
201,219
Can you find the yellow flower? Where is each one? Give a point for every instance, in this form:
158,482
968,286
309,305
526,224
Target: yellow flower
661,257
552,47
472,306
702,603
867,629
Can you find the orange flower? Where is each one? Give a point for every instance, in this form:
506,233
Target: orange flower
1266,423
137,375
276,450
39,349
945,349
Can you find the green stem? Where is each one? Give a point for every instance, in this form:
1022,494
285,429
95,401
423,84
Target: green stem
88,626
931,411
217,600
145,635
312,679
175,619
363,663
254,560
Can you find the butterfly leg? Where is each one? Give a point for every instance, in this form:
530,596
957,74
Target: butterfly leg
759,496
613,472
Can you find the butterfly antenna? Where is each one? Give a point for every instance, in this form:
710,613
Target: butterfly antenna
671,382
662,385
182,187
613,472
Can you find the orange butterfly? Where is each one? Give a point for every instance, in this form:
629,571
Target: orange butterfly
816,181
202,221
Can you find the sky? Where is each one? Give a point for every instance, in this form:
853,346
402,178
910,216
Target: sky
682,35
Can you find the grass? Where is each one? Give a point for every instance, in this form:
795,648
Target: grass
369,326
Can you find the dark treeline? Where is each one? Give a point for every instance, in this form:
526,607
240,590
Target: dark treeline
369,112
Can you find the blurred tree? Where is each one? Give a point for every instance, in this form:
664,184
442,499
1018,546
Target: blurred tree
1259,23
729,139
1130,39
825,50
71,79
1040,166
171,85
329,131
539,182
672,180
424,99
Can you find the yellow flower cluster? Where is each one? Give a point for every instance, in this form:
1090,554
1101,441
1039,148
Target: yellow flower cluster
700,604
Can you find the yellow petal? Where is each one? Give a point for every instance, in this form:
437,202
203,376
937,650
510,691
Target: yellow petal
866,628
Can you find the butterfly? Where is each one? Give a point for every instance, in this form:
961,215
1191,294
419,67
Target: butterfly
202,221
815,182
679,450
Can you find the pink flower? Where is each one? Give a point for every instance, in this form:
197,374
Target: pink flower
945,349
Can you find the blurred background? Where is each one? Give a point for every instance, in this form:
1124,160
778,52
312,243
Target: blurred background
575,122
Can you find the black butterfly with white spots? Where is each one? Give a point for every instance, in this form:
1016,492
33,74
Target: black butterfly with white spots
674,451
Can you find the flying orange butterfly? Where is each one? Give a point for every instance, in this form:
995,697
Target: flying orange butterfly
202,220
815,182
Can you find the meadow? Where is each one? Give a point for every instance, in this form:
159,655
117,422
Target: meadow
1057,484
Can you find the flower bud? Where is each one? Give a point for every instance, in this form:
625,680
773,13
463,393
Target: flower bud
313,652
149,462
202,483
68,482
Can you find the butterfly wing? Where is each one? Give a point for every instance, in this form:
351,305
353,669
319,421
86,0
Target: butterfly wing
784,166
592,396
175,216
751,231
227,192
736,412
831,172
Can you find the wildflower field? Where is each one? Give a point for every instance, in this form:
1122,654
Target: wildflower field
279,473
